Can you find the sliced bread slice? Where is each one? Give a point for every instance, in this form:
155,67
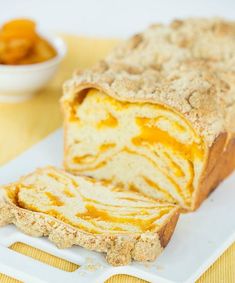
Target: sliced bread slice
75,210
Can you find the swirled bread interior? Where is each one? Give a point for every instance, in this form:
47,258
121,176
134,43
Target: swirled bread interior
141,147
88,205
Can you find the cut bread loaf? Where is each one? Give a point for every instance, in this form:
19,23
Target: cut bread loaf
157,115
78,210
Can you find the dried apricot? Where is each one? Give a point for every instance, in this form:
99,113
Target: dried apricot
23,24
20,44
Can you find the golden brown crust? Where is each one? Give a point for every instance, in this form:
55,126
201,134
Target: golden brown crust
120,248
220,163
167,230
188,66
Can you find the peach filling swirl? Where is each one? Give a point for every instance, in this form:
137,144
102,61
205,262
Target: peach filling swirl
143,147
88,205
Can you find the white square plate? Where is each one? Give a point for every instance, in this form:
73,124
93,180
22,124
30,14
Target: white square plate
200,237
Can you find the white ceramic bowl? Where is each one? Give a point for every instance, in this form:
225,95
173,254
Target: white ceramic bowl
18,83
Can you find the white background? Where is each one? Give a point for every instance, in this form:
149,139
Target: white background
115,18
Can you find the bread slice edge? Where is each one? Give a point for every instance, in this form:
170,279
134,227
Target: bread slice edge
120,249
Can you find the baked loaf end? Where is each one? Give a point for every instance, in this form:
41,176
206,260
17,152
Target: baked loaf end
157,114
81,211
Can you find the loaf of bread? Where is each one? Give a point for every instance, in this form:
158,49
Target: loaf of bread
157,115
78,210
